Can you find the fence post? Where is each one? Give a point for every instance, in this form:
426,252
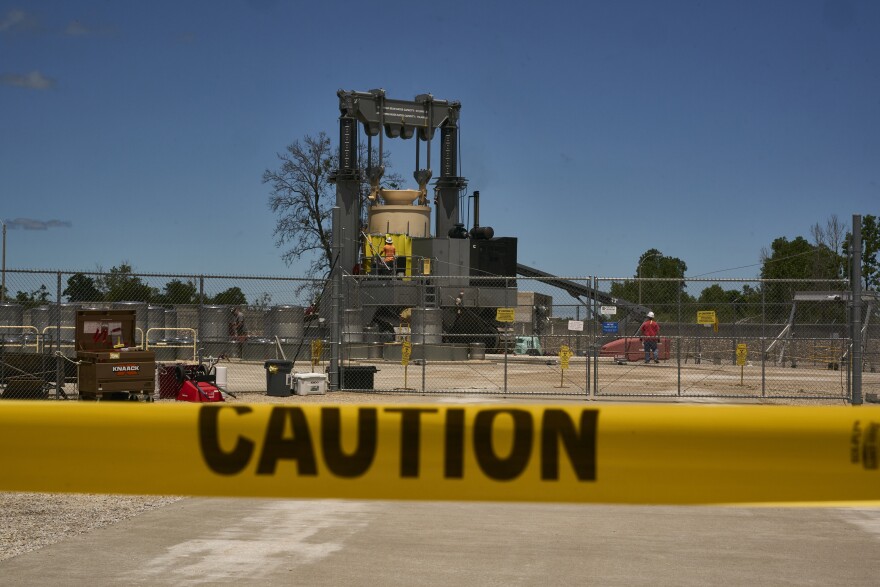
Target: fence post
336,285
856,324
594,339
763,339
424,297
681,286
59,360
506,337
199,320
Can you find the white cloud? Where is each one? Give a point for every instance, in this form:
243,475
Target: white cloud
186,38
17,20
76,29
31,81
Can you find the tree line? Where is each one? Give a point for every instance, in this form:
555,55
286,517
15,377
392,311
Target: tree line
816,262
120,284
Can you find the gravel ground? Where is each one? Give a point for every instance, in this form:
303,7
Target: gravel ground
29,521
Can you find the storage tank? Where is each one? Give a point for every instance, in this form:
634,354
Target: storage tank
215,322
155,323
214,337
426,325
45,320
285,322
140,317
171,322
39,318
11,315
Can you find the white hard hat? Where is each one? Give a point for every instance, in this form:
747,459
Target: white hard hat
388,239
650,314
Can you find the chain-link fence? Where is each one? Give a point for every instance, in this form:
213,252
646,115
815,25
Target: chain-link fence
181,319
583,336
461,334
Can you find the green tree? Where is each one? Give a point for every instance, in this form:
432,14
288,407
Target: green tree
178,292
82,288
870,250
230,297
35,298
813,267
798,259
728,304
120,285
661,296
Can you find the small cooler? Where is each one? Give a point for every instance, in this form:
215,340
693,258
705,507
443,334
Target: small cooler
309,383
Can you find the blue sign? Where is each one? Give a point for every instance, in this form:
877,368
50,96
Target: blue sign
609,327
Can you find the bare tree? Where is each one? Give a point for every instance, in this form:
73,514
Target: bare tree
831,235
303,197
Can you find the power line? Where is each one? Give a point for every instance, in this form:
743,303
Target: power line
755,264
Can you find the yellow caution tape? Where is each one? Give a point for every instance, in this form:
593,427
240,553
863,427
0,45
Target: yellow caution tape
645,454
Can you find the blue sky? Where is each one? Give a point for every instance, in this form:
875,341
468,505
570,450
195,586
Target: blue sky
139,131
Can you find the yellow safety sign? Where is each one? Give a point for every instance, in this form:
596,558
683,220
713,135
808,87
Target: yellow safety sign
317,351
405,352
638,454
505,314
564,355
742,354
706,317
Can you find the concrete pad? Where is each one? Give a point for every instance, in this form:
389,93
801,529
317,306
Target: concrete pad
341,542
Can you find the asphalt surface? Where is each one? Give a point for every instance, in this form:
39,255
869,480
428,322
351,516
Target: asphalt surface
326,542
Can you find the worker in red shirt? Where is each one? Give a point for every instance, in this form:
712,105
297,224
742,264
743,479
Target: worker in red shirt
650,331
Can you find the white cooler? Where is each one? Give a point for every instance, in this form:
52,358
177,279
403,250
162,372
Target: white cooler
309,383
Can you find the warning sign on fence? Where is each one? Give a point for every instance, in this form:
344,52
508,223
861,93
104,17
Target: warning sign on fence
505,314
706,317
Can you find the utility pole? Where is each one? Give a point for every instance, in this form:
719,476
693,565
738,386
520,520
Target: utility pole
856,323
3,287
